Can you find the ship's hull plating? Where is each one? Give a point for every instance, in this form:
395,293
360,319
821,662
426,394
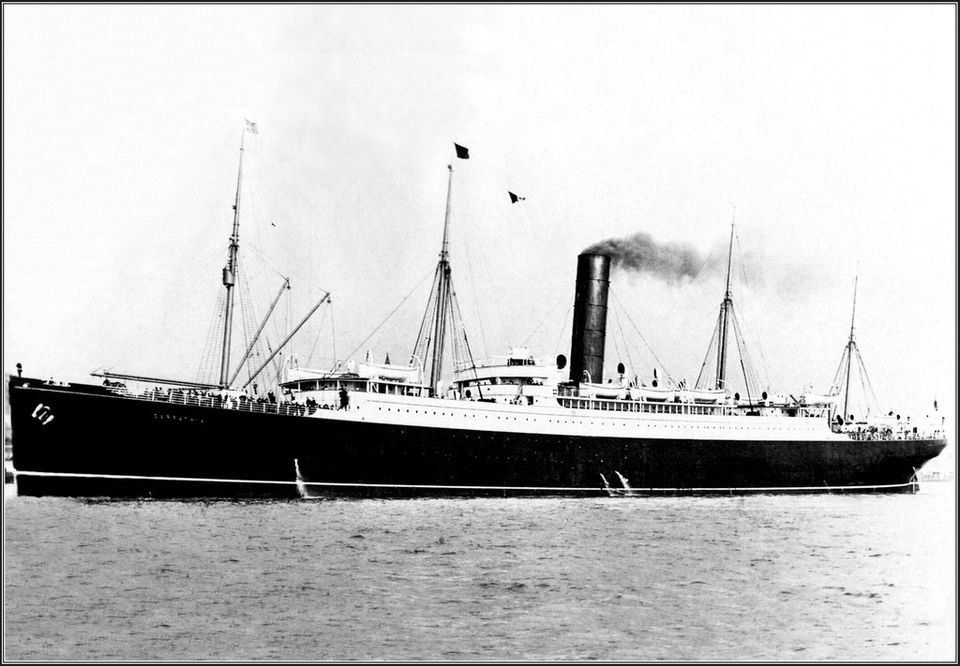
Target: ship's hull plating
99,445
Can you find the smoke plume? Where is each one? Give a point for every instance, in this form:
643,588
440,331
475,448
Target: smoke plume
639,252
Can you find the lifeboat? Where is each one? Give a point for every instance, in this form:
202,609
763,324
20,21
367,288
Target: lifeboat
817,399
616,391
652,393
385,371
703,396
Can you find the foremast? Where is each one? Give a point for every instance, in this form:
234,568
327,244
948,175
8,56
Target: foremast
230,273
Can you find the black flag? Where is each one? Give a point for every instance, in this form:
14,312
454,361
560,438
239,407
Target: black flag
514,198
462,152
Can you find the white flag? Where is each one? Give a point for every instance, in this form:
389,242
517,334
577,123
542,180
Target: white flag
251,127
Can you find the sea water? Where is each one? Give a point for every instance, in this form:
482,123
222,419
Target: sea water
853,577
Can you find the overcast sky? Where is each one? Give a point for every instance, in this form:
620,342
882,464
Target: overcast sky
828,133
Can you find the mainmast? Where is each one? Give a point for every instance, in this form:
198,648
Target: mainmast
441,306
851,347
443,291
724,320
230,273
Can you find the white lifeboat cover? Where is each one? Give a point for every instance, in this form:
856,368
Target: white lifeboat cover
400,373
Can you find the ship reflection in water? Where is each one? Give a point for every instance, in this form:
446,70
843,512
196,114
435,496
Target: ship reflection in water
769,577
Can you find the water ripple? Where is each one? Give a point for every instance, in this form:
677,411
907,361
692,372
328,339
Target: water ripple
761,578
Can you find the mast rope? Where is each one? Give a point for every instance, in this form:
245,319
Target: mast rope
704,264
865,376
208,358
248,320
476,301
743,268
333,332
317,339
244,293
626,346
746,382
746,363
616,348
563,328
268,263
384,321
653,353
837,377
422,345
755,341
705,381
863,387
542,321
457,318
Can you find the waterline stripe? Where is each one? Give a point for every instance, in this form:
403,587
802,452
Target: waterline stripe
436,487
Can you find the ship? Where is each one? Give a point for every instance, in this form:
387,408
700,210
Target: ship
517,426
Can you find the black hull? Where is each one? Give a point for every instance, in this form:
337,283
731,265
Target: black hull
101,445
96,440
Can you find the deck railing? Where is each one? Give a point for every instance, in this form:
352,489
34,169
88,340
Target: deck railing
178,397
864,436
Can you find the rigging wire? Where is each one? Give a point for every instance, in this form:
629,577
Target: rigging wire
542,321
743,268
709,256
206,368
317,339
616,348
267,262
248,319
626,347
333,332
460,349
863,387
754,339
835,386
384,321
866,377
476,300
709,380
245,314
746,382
746,364
422,345
637,329
563,328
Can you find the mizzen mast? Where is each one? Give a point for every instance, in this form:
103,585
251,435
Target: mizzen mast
714,371
851,348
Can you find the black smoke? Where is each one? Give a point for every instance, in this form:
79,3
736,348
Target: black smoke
640,253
